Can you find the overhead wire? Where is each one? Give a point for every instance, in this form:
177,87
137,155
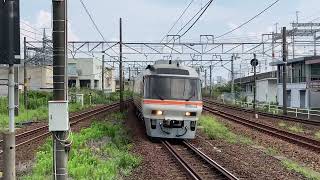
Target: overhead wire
248,21
96,26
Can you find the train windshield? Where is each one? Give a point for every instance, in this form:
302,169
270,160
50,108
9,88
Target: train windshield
176,88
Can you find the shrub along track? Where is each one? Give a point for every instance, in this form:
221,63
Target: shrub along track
285,135
33,138
196,163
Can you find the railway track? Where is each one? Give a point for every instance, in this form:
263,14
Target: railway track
282,117
285,135
41,132
196,163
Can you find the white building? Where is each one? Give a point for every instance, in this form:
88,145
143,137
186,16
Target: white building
303,82
266,87
39,78
87,73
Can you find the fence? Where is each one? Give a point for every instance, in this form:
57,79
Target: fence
275,109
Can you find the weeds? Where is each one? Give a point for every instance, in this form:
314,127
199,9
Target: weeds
296,129
307,172
217,130
271,151
282,124
108,159
317,135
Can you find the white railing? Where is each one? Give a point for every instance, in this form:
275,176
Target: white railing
275,109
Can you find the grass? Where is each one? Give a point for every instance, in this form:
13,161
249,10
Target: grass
98,152
306,172
271,151
296,129
317,135
38,105
216,130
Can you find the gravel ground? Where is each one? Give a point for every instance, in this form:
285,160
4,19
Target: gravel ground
157,162
291,151
243,161
307,130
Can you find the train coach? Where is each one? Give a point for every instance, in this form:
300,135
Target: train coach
168,99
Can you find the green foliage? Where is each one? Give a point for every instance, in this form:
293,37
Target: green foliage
271,151
296,129
217,130
317,135
307,172
282,124
98,152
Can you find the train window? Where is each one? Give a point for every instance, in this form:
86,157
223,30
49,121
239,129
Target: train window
173,88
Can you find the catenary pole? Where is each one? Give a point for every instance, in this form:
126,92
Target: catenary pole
102,74
120,69
284,69
59,36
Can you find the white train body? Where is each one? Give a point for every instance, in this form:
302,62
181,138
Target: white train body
168,99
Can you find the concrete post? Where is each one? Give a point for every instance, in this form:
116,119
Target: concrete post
9,155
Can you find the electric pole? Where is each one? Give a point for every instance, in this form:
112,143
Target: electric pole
16,91
102,74
254,63
284,69
232,79
25,78
205,80
120,69
210,81
59,37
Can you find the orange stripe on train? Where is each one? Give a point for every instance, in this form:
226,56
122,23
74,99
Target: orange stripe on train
171,102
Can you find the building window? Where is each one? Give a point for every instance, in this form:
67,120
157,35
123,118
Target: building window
84,83
298,72
315,72
96,84
71,83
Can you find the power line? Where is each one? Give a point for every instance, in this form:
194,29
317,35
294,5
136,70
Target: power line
238,27
206,7
184,11
95,25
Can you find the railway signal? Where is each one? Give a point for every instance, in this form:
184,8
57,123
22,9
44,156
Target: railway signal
254,63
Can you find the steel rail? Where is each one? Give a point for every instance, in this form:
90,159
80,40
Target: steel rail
282,117
285,135
75,119
220,171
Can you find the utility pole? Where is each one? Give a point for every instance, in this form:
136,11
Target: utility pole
9,16
25,78
315,44
102,74
16,91
254,62
232,79
205,80
284,69
120,69
210,81
59,36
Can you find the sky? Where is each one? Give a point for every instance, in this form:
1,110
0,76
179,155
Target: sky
150,20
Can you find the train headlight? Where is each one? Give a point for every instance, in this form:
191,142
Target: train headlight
157,112
190,114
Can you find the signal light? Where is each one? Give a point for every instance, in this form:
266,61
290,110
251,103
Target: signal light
157,112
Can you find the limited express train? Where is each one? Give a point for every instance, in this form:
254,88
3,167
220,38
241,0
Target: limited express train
167,97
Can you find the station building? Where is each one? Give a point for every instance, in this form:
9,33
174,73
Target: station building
303,82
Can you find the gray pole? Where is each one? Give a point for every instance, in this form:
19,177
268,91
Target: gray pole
9,138
232,79
315,44
205,80
25,78
210,81
16,91
120,69
284,69
59,36
254,88
102,75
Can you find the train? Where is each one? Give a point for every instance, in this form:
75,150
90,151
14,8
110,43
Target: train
167,97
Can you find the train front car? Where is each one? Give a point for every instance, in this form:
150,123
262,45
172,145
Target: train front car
172,101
